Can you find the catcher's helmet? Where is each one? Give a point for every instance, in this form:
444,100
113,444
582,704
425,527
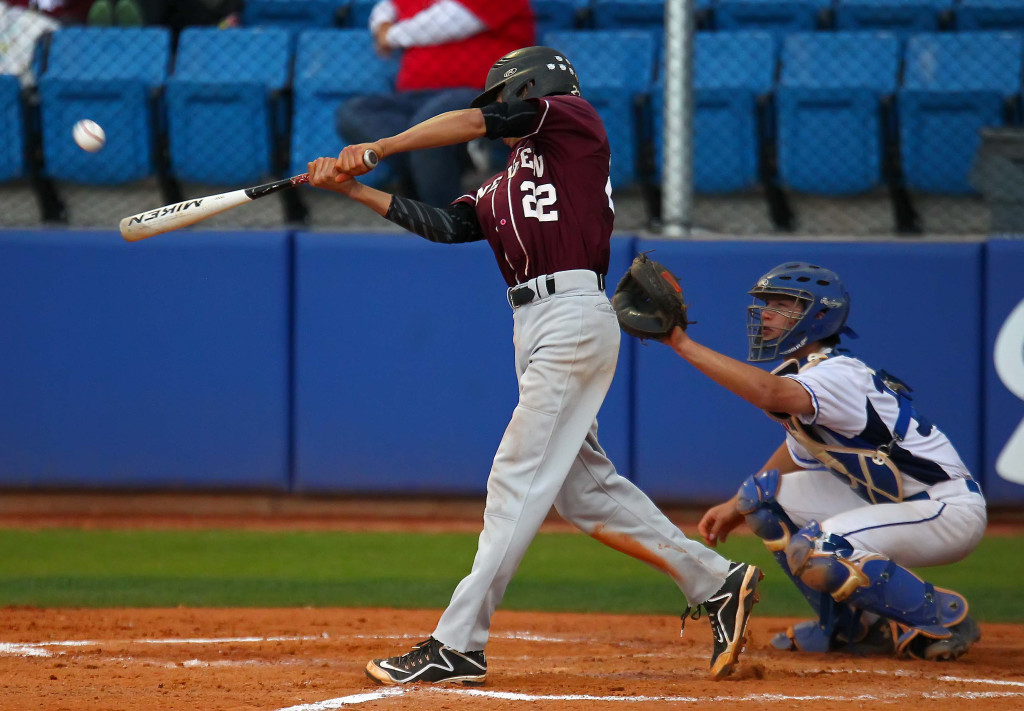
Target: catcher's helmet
542,70
825,306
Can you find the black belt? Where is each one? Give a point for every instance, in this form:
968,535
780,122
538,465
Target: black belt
522,294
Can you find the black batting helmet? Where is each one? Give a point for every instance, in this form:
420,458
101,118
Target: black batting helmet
542,70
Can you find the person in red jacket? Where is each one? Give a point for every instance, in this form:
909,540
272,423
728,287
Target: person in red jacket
67,12
447,48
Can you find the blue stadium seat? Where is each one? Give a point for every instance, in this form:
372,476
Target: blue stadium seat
629,14
550,15
828,104
989,15
902,17
616,70
777,16
330,67
109,75
12,129
732,73
358,16
954,84
295,14
224,121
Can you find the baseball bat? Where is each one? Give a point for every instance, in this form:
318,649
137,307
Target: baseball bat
188,212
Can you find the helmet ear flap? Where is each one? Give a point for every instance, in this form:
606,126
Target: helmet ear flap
524,89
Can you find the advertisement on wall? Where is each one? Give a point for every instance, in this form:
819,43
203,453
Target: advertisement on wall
1004,412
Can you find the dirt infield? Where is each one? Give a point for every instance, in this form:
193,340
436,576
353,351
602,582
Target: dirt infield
307,659
313,659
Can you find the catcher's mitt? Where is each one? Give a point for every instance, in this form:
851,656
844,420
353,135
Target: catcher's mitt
649,301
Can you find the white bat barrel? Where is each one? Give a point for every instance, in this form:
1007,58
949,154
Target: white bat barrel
178,215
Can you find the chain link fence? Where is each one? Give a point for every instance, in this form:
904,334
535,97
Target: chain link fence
727,117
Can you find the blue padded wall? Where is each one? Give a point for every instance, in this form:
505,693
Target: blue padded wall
156,365
1004,383
913,305
383,364
404,371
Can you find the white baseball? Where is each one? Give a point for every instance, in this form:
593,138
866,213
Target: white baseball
89,135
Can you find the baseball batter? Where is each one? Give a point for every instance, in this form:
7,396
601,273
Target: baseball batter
548,217
862,487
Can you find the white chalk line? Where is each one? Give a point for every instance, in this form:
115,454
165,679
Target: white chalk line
40,649
356,699
343,701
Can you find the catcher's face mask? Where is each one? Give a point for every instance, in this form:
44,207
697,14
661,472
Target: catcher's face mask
771,322
822,305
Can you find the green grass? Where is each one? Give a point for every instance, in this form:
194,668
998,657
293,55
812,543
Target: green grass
561,572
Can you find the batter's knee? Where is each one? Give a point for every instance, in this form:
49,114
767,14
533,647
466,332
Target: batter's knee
756,500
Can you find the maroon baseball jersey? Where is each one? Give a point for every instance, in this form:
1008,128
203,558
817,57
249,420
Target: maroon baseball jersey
551,208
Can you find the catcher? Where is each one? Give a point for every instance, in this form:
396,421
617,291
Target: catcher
863,486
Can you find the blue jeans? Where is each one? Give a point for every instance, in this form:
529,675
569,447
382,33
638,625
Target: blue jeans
434,175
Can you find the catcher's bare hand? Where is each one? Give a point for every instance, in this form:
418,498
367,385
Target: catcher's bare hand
718,522
351,159
676,338
323,173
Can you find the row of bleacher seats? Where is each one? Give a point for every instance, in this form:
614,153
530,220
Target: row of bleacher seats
782,15
844,111
839,110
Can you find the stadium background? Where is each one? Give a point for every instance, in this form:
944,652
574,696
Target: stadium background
182,418
266,351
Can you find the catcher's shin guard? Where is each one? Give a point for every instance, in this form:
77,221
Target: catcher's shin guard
769,521
857,637
876,584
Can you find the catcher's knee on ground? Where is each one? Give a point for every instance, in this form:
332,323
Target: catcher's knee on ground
936,620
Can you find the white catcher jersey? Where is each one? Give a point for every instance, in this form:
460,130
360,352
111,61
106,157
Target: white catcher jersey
865,432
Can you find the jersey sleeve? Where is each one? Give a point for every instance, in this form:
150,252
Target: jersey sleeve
837,389
800,455
568,127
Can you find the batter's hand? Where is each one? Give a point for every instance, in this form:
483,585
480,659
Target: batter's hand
323,173
718,521
350,160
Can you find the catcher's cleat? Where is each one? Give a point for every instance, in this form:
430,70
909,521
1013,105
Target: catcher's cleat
728,612
808,636
920,646
430,662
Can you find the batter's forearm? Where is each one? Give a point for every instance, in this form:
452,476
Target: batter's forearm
377,200
447,129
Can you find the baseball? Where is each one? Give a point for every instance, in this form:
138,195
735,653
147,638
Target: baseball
89,135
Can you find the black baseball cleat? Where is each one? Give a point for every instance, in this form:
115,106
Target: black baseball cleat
728,612
430,662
